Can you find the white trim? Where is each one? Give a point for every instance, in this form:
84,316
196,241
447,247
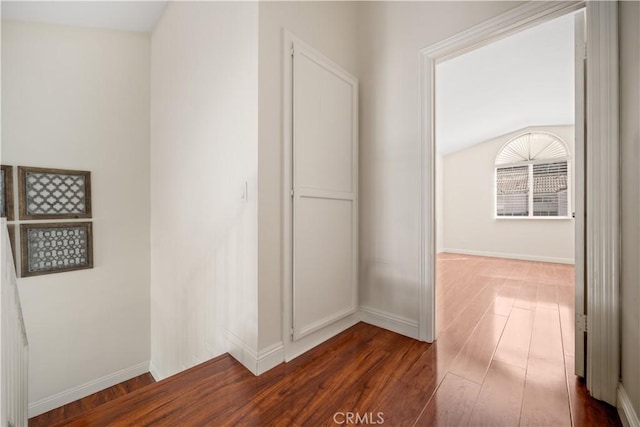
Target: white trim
270,357
428,227
628,415
603,201
533,162
316,333
294,349
510,22
524,257
580,43
84,390
287,202
392,322
256,362
323,323
543,218
242,352
155,373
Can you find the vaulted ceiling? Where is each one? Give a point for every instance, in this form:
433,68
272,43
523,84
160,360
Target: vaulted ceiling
526,79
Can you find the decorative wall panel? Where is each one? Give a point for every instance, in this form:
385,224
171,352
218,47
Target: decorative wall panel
6,192
54,193
55,247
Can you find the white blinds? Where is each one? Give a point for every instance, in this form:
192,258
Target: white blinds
533,190
532,146
550,189
512,191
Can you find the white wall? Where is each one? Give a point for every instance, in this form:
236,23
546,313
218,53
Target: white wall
391,35
77,98
468,212
439,202
204,118
630,199
331,28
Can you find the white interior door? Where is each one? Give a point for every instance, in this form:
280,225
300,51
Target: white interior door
580,218
325,192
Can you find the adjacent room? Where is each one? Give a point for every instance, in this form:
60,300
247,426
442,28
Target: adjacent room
505,194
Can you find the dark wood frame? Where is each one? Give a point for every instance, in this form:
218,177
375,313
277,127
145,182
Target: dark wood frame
22,192
24,267
11,228
8,188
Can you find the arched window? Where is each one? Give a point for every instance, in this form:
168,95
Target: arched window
532,177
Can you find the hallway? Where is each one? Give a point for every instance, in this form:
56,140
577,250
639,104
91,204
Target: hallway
504,357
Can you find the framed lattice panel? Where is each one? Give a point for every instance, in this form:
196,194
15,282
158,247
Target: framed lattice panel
54,193
6,192
55,247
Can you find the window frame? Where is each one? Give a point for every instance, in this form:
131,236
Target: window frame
530,194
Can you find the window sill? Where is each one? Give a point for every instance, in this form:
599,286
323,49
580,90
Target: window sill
529,218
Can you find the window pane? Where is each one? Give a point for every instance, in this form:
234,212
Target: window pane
550,196
512,187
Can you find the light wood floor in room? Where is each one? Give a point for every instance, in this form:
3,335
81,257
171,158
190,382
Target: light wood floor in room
504,357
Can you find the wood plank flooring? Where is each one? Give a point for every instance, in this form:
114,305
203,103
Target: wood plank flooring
504,357
92,401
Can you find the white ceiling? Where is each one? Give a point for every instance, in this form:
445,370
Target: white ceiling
140,16
524,80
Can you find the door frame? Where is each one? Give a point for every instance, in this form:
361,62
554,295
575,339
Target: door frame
602,178
293,349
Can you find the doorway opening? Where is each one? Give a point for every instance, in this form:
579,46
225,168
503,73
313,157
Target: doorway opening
601,180
506,195
509,207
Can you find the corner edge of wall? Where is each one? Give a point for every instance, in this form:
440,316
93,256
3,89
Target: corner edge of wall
627,413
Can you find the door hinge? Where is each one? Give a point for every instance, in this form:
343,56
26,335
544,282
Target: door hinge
291,192
291,332
581,322
292,52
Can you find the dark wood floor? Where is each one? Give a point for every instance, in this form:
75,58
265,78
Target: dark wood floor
504,356
92,401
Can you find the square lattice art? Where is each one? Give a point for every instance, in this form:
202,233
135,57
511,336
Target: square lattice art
55,247
54,193
6,192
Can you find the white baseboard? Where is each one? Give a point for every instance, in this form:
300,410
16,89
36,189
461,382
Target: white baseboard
270,357
241,352
628,415
256,362
83,390
392,322
294,349
212,353
154,372
524,257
